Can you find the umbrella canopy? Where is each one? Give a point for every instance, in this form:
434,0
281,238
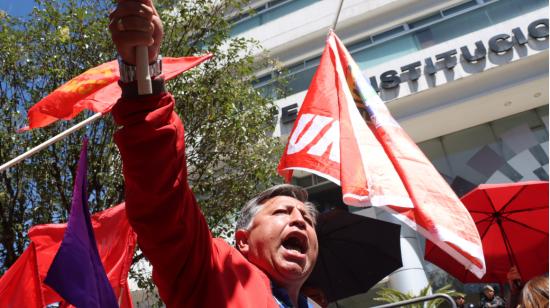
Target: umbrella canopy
355,252
512,220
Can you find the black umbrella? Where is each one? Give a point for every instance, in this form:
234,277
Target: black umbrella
355,252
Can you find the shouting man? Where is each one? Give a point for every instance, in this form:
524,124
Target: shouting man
276,244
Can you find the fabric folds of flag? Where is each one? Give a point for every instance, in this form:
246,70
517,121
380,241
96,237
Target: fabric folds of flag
116,242
21,285
96,89
76,272
375,161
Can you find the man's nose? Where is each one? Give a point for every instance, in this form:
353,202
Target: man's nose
297,219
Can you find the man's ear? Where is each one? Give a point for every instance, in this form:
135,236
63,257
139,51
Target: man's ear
241,239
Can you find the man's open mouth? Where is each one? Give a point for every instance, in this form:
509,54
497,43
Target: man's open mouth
296,241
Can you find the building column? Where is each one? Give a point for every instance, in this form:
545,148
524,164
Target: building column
411,278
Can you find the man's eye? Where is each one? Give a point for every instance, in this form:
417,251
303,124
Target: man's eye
280,211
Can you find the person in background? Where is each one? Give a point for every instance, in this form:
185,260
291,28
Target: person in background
490,300
459,300
535,293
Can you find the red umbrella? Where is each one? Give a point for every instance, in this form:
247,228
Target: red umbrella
512,220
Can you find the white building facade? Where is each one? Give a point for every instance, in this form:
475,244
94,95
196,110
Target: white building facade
468,80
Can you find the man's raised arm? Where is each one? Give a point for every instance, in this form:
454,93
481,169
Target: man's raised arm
171,230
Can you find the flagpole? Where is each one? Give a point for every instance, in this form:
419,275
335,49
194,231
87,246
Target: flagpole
50,141
142,71
337,15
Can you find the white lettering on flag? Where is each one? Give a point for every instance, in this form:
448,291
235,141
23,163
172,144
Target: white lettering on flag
331,137
317,124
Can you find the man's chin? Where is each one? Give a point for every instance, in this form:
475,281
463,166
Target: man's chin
293,265
293,270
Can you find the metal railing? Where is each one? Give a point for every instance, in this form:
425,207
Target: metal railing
419,300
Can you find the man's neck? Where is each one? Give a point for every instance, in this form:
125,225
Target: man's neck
293,294
292,291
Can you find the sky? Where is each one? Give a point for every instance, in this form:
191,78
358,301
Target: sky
17,7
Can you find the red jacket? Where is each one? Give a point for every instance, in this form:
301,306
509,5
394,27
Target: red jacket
190,268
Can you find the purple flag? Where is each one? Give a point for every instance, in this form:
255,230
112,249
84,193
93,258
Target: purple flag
76,272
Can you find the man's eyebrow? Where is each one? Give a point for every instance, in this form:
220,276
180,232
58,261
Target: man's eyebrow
305,212
302,210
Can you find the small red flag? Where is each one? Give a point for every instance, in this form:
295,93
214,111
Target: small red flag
96,89
376,163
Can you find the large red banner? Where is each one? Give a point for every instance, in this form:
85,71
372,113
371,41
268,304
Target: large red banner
375,161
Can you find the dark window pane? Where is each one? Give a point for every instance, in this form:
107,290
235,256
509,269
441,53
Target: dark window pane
424,38
300,81
388,33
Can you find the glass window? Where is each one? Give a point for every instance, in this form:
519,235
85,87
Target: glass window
472,21
285,9
506,9
425,21
392,49
362,44
424,38
276,2
300,81
245,25
273,89
459,8
262,80
269,12
452,28
367,54
295,68
312,62
387,34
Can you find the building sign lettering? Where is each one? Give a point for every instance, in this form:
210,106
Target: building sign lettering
498,44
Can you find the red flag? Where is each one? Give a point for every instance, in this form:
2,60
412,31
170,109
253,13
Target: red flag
331,139
20,285
376,164
96,89
115,242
